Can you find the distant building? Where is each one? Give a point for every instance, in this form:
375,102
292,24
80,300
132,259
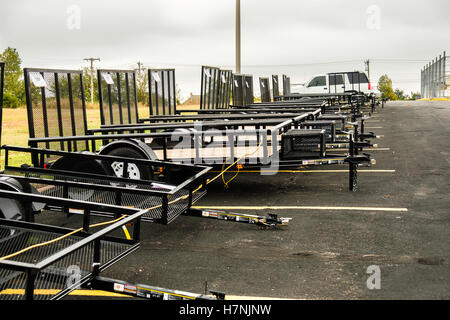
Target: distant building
192,100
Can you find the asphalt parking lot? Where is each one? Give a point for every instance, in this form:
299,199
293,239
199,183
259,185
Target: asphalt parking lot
398,220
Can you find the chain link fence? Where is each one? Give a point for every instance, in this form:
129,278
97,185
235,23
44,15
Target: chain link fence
435,78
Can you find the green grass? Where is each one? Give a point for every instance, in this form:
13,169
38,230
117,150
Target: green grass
15,133
15,130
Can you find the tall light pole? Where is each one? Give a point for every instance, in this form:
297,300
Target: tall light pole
238,36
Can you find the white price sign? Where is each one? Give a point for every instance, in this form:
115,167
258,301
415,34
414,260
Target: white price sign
38,80
156,76
107,78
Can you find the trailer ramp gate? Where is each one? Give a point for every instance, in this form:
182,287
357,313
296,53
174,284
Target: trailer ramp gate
264,87
162,92
117,96
215,91
56,106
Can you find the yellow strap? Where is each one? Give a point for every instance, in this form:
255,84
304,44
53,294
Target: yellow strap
57,239
127,234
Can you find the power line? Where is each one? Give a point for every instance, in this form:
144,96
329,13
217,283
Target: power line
399,60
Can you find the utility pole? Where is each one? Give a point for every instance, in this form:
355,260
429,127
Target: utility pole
92,75
238,36
139,67
140,81
367,62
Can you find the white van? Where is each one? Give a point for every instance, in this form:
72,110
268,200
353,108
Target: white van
337,82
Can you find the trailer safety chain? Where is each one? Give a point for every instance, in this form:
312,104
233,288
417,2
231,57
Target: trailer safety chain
225,183
221,174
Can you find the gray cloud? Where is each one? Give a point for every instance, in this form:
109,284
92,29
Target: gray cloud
188,33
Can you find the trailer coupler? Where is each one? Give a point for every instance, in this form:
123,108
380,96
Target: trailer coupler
364,144
269,221
367,136
144,291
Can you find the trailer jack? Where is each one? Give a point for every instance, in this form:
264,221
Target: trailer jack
355,159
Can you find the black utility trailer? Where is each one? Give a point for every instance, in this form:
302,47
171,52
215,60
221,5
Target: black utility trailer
218,143
48,262
348,95
41,261
60,142
155,141
246,139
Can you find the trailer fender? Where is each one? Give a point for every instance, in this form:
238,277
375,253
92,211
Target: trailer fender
12,209
84,165
142,148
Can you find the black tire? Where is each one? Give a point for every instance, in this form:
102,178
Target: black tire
81,165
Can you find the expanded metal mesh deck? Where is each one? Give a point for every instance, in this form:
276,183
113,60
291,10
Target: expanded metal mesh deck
57,277
304,143
130,195
153,203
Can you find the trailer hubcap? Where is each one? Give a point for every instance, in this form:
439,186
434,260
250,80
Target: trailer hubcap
133,170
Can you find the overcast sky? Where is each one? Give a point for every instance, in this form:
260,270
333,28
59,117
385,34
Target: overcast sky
294,37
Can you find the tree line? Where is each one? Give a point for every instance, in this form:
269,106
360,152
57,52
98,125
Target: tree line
14,87
388,93
14,93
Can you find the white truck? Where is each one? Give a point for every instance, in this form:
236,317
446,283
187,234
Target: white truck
336,82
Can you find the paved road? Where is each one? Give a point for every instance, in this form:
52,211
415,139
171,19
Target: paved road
323,254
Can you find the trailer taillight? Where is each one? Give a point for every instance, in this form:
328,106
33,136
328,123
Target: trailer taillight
369,86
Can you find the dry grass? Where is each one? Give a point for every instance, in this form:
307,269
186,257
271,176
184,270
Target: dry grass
15,128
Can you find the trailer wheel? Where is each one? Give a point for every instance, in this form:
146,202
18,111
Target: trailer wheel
135,171
79,165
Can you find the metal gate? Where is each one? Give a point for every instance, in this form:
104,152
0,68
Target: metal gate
264,87
117,96
209,84
336,81
162,92
238,90
286,85
56,107
224,88
249,95
275,87
216,88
